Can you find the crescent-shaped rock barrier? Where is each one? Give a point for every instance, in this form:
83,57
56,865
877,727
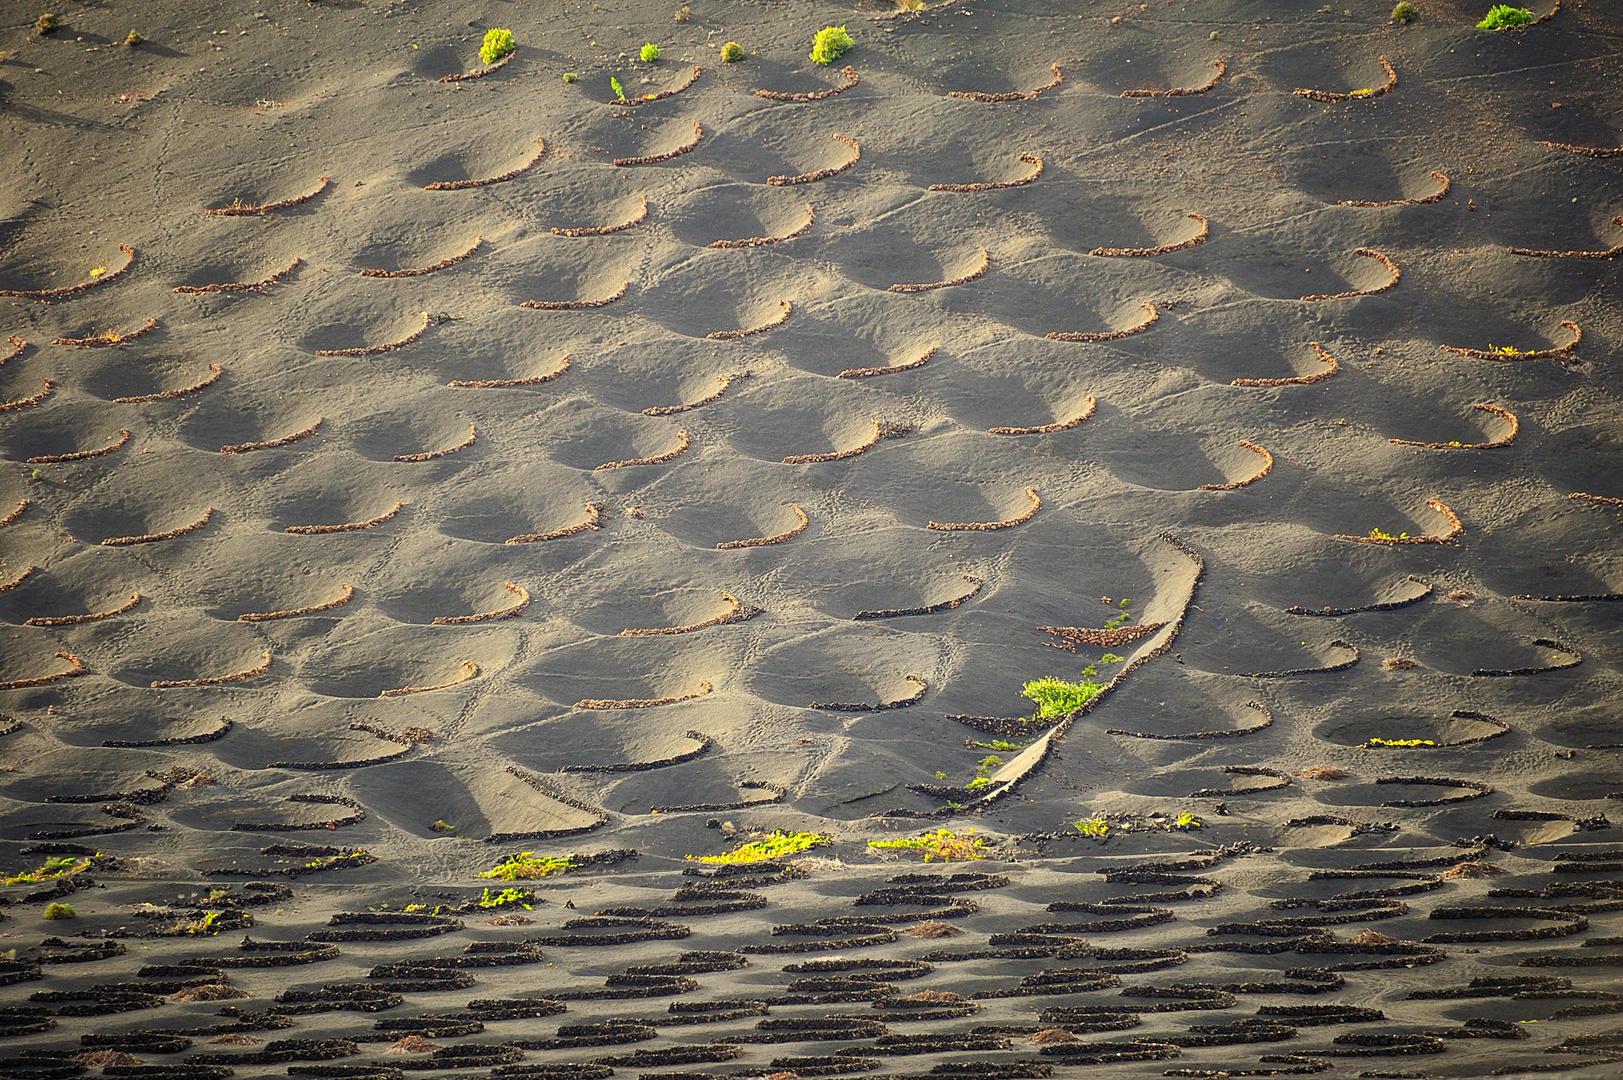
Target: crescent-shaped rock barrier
388,346
215,371
1368,254
1455,529
988,526
69,290
1493,444
510,611
500,178
778,793
820,174
349,526
851,80
1182,91
1587,151
217,680
649,99
765,241
1244,770
466,672
1332,365
17,347
1477,789
654,159
22,504
920,686
20,578
271,444
1355,95
737,611
706,744
346,593
869,372
1548,643
26,402
576,305
724,380
882,429
109,340
643,703
419,271
1031,159
604,230
682,444
75,620
226,724
776,538
1227,733
1106,638
589,524
1267,467
999,99
241,209
478,73
1200,237
502,384
1340,665
926,286
1604,500
975,586
786,308
1609,253
1390,605
149,538
1089,404
1436,196
1531,354
82,455
259,286
434,455
1150,319
279,957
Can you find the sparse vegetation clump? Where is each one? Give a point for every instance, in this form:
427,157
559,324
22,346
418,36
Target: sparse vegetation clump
133,38
497,44
649,53
51,868
829,44
1056,697
60,911
619,91
527,865
732,53
47,24
775,846
1401,743
1377,534
1095,827
1403,13
1186,822
570,76
507,898
944,844
1503,17
441,825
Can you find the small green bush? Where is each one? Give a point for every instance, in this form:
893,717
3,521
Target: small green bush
829,44
1097,827
521,897
569,76
1055,697
732,53
60,911
441,825
525,865
1403,13
775,846
649,53
47,24
619,91
1503,17
945,845
498,43
132,39
1186,821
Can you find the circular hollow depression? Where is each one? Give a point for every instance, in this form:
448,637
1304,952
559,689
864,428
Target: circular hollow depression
1440,730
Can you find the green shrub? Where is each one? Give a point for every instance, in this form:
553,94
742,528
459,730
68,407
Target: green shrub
650,53
498,43
132,39
1096,827
60,911
526,865
1503,17
569,76
775,846
1403,13
1055,697
732,53
1111,658
1000,745
619,91
47,24
442,825
945,845
57,867
1186,821
521,897
829,44
1401,743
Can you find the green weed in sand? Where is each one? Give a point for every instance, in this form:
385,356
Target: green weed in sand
619,91
1503,17
507,898
526,865
497,44
1403,13
943,844
1056,697
1186,821
60,911
732,53
1401,743
132,39
51,868
775,846
570,76
1377,534
649,53
1096,827
829,44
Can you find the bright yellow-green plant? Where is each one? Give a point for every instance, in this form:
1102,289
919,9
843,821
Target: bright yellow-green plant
60,911
57,867
526,865
1401,742
521,897
732,53
1186,820
1377,534
1503,17
775,846
619,91
829,44
944,844
1403,13
1096,827
649,53
497,44
1055,697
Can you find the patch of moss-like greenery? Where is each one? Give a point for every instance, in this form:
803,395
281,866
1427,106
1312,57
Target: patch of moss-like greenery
732,53
1503,17
944,844
527,865
1056,697
775,846
829,44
